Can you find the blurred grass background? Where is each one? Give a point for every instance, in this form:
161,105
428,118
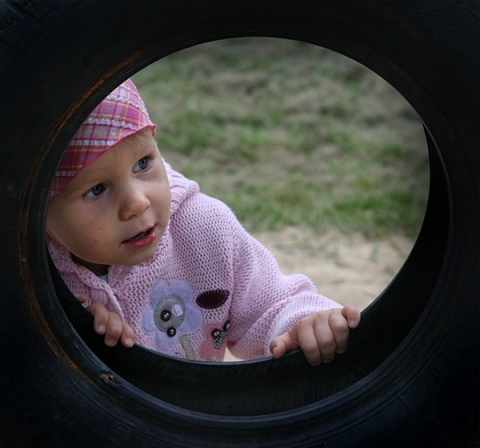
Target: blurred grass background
290,134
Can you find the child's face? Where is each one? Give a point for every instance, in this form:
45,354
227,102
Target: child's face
116,209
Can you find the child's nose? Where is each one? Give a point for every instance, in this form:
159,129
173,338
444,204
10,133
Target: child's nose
134,203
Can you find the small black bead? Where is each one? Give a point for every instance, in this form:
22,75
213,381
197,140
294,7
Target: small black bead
166,315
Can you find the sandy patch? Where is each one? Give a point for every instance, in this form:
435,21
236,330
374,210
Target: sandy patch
349,269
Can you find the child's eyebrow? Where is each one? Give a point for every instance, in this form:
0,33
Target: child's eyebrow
81,186
144,148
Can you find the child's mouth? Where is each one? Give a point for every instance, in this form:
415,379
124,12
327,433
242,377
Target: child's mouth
142,239
139,236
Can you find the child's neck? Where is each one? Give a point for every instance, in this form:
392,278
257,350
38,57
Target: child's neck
97,269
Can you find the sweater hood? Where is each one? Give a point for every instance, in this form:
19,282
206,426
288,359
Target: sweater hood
181,188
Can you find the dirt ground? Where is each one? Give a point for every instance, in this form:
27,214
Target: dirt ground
348,269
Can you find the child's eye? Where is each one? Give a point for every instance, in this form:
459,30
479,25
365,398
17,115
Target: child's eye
141,165
94,192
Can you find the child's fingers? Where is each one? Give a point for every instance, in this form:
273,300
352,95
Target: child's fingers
128,336
320,335
302,335
100,317
106,323
282,344
82,298
114,330
352,315
111,325
325,343
340,331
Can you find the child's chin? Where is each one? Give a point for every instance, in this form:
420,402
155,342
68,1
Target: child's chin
140,259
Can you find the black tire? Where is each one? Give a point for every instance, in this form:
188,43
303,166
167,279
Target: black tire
411,375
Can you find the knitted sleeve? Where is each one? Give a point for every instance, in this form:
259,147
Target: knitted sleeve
265,302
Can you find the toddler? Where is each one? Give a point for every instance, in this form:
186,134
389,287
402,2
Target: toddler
161,264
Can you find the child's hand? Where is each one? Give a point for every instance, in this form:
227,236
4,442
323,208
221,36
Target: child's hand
108,323
320,335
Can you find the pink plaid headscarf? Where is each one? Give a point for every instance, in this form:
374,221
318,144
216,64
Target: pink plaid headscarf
121,114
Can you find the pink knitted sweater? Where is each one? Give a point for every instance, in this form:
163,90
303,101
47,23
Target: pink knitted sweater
209,285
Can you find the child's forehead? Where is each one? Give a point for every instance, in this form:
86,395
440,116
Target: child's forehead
97,170
116,160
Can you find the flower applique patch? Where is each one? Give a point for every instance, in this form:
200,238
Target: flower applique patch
172,315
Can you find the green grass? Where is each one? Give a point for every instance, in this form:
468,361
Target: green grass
289,134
